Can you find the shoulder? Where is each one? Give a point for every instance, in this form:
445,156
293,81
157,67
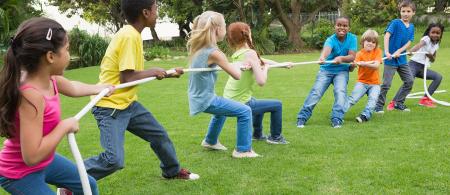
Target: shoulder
214,54
426,39
33,97
251,54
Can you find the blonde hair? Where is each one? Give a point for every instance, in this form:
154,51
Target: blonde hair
203,31
371,36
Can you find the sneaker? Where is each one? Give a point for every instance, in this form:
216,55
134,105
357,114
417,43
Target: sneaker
300,123
427,102
63,191
278,140
185,174
336,123
391,106
401,107
361,118
379,111
217,146
248,154
261,138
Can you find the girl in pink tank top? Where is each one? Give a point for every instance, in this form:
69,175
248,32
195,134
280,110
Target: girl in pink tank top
30,113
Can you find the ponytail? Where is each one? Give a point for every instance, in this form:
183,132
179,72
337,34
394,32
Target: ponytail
10,94
202,31
250,44
238,33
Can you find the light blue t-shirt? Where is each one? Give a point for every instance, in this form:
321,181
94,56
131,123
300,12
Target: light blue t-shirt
339,48
201,91
400,35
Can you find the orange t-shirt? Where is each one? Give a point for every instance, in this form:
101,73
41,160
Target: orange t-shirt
365,74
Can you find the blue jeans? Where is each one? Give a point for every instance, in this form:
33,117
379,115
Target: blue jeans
60,172
138,121
361,89
259,107
222,108
323,81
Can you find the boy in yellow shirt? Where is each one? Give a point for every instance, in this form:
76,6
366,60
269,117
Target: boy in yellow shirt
124,62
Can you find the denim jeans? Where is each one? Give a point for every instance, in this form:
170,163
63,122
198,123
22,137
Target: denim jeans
359,91
323,81
140,122
60,172
221,108
259,107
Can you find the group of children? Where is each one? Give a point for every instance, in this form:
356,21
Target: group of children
341,49
32,80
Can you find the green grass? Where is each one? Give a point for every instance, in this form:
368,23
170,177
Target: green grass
395,153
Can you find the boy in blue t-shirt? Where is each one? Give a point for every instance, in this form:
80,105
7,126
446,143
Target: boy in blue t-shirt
341,48
398,37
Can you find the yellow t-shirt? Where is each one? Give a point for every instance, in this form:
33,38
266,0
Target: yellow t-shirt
125,52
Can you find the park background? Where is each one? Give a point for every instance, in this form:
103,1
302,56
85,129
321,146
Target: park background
395,153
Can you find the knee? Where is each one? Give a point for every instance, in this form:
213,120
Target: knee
278,105
438,78
246,112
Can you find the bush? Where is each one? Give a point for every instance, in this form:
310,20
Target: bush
262,42
89,49
321,30
156,52
280,39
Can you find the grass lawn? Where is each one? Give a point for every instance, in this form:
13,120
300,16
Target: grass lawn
395,153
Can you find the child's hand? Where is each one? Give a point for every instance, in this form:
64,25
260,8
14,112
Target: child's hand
429,55
388,56
178,72
289,65
159,73
70,125
337,60
396,54
246,66
321,60
352,66
111,88
409,53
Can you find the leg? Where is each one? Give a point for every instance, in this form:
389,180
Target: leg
257,119
226,107
323,81
214,128
31,184
357,93
259,107
63,173
372,93
388,74
436,77
408,80
112,124
144,125
340,82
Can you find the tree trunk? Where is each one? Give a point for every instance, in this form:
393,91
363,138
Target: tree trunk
154,34
240,7
261,8
440,5
291,25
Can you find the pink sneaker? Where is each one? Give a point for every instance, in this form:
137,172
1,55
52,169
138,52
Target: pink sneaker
427,102
391,105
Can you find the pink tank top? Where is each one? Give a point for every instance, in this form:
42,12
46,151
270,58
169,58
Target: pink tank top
11,163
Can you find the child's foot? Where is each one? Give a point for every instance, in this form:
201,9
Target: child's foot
401,107
185,174
361,118
336,123
301,123
427,102
277,140
391,106
63,191
217,146
379,111
260,138
248,154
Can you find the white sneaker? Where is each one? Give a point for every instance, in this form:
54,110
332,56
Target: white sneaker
217,146
249,154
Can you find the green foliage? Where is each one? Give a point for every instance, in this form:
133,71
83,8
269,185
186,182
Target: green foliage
156,52
280,39
90,49
321,30
263,44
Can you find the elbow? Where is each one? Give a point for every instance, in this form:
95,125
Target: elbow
237,76
30,161
260,83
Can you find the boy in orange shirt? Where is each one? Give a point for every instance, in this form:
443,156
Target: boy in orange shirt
368,59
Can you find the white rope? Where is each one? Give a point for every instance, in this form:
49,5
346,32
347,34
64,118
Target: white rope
419,95
283,64
426,88
71,137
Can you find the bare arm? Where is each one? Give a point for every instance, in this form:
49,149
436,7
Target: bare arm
402,49
34,146
260,72
326,51
132,75
370,64
79,89
345,59
219,58
387,36
418,46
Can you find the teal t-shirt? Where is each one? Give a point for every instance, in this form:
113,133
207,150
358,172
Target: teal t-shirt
339,48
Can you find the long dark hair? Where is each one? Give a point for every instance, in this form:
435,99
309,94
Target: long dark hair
33,39
432,25
239,33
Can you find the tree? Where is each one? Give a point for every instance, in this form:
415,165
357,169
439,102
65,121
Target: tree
440,5
181,12
14,12
289,14
106,13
